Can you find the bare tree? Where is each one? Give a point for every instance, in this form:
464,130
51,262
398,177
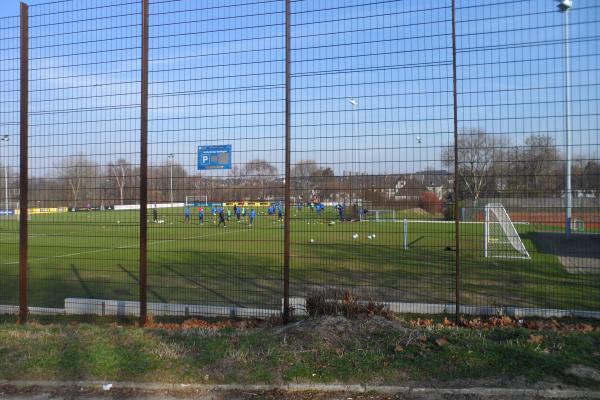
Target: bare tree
479,154
537,170
591,177
261,175
310,181
78,172
302,174
160,181
208,186
122,172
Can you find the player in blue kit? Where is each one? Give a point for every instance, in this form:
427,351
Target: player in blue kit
252,216
341,212
222,217
201,215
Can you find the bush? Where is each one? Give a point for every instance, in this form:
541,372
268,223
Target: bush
343,303
429,202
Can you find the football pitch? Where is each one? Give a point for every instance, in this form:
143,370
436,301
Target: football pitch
96,255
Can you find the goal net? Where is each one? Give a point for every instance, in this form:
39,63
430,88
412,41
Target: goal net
500,236
196,200
379,216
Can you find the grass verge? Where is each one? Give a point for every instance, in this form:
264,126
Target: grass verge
335,349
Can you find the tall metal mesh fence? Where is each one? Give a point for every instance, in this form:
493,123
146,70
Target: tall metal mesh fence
83,155
9,160
216,79
372,112
382,172
513,146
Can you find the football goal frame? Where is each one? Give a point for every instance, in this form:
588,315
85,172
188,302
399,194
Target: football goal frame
380,216
201,200
500,238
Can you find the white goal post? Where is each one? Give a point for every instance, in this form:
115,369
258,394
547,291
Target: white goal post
201,200
379,216
501,239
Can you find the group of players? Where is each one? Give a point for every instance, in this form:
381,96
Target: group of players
223,216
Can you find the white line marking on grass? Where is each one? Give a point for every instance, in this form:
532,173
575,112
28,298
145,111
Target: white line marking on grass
434,221
121,247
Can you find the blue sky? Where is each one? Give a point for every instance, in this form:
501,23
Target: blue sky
216,77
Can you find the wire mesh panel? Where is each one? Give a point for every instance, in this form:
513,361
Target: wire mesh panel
517,138
216,157
371,208
84,130
9,161
372,115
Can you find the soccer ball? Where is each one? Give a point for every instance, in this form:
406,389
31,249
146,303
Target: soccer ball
369,237
373,236
118,222
312,240
355,236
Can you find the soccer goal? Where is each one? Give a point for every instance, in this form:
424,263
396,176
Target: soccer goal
501,239
196,200
379,216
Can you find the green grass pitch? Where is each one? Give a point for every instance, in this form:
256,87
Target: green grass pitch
96,255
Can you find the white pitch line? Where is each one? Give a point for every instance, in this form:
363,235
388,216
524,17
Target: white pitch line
119,248
435,221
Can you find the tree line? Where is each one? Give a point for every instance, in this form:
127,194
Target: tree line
489,165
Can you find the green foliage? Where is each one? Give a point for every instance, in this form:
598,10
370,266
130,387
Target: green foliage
373,353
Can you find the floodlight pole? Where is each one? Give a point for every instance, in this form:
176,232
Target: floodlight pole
354,103
564,7
171,158
5,138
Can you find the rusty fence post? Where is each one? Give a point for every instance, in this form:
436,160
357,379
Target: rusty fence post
287,219
23,173
456,173
144,169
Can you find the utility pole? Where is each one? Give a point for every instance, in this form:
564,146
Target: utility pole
564,6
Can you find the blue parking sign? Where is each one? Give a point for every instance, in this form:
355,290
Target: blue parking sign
214,157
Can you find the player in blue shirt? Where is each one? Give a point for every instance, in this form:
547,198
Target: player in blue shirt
201,215
341,212
318,209
214,215
238,214
280,213
252,216
186,213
